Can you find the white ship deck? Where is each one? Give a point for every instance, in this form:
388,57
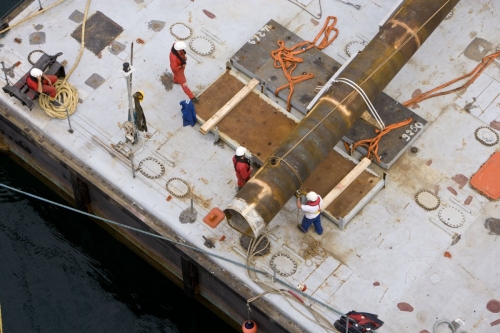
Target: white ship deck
390,254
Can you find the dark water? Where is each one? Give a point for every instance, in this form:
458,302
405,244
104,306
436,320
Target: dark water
6,6
60,272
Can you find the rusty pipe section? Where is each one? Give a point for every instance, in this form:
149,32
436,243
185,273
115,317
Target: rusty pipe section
258,202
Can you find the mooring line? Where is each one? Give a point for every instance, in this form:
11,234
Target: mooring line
284,283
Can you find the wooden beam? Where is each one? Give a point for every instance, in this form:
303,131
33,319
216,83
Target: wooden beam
345,182
366,116
214,120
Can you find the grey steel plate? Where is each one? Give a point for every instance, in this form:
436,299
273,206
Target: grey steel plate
254,59
100,31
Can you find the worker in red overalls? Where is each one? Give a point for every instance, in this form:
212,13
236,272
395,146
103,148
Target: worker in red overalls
42,83
241,166
177,64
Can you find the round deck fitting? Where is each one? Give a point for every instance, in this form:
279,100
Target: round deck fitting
31,53
283,264
178,181
202,45
262,249
151,166
451,216
354,48
427,200
486,136
180,31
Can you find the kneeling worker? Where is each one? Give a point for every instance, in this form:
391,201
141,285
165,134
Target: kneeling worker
42,83
312,210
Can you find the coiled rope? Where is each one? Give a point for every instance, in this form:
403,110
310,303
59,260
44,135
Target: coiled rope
485,62
372,144
66,95
286,58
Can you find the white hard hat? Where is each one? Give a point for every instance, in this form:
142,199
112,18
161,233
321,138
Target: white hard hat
35,72
179,46
240,151
312,196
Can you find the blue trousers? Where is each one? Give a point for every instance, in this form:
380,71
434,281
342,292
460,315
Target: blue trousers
306,223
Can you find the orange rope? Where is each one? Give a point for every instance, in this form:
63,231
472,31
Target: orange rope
485,62
372,144
286,58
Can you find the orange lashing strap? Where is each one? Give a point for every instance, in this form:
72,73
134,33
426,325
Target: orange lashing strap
286,58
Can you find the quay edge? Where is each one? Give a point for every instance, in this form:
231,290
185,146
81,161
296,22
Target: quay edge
201,278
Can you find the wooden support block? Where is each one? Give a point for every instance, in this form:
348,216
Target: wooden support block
345,182
366,116
214,120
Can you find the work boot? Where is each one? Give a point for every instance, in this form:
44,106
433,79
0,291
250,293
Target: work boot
301,229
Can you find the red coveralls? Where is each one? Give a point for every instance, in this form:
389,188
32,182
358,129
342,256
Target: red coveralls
242,170
45,87
178,70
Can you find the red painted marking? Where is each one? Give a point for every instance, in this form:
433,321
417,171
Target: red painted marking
376,284
452,190
313,21
209,14
461,180
468,200
416,93
447,254
296,296
169,198
424,331
495,124
429,162
405,307
436,189
496,322
493,306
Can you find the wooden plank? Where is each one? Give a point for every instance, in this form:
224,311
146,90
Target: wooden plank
366,116
214,120
345,182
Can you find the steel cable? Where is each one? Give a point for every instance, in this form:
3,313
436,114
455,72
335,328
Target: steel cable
194,248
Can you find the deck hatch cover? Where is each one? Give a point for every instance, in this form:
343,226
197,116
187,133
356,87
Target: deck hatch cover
100,31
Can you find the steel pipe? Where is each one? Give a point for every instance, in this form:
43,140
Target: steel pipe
258,202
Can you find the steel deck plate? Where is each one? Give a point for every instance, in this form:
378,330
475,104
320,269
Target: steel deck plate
254,59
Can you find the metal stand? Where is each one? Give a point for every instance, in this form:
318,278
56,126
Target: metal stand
69,121
128,70
132,164
188,215
40,3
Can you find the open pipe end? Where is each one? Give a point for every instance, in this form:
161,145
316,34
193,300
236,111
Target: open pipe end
242,217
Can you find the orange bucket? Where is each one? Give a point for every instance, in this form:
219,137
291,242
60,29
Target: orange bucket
214,217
